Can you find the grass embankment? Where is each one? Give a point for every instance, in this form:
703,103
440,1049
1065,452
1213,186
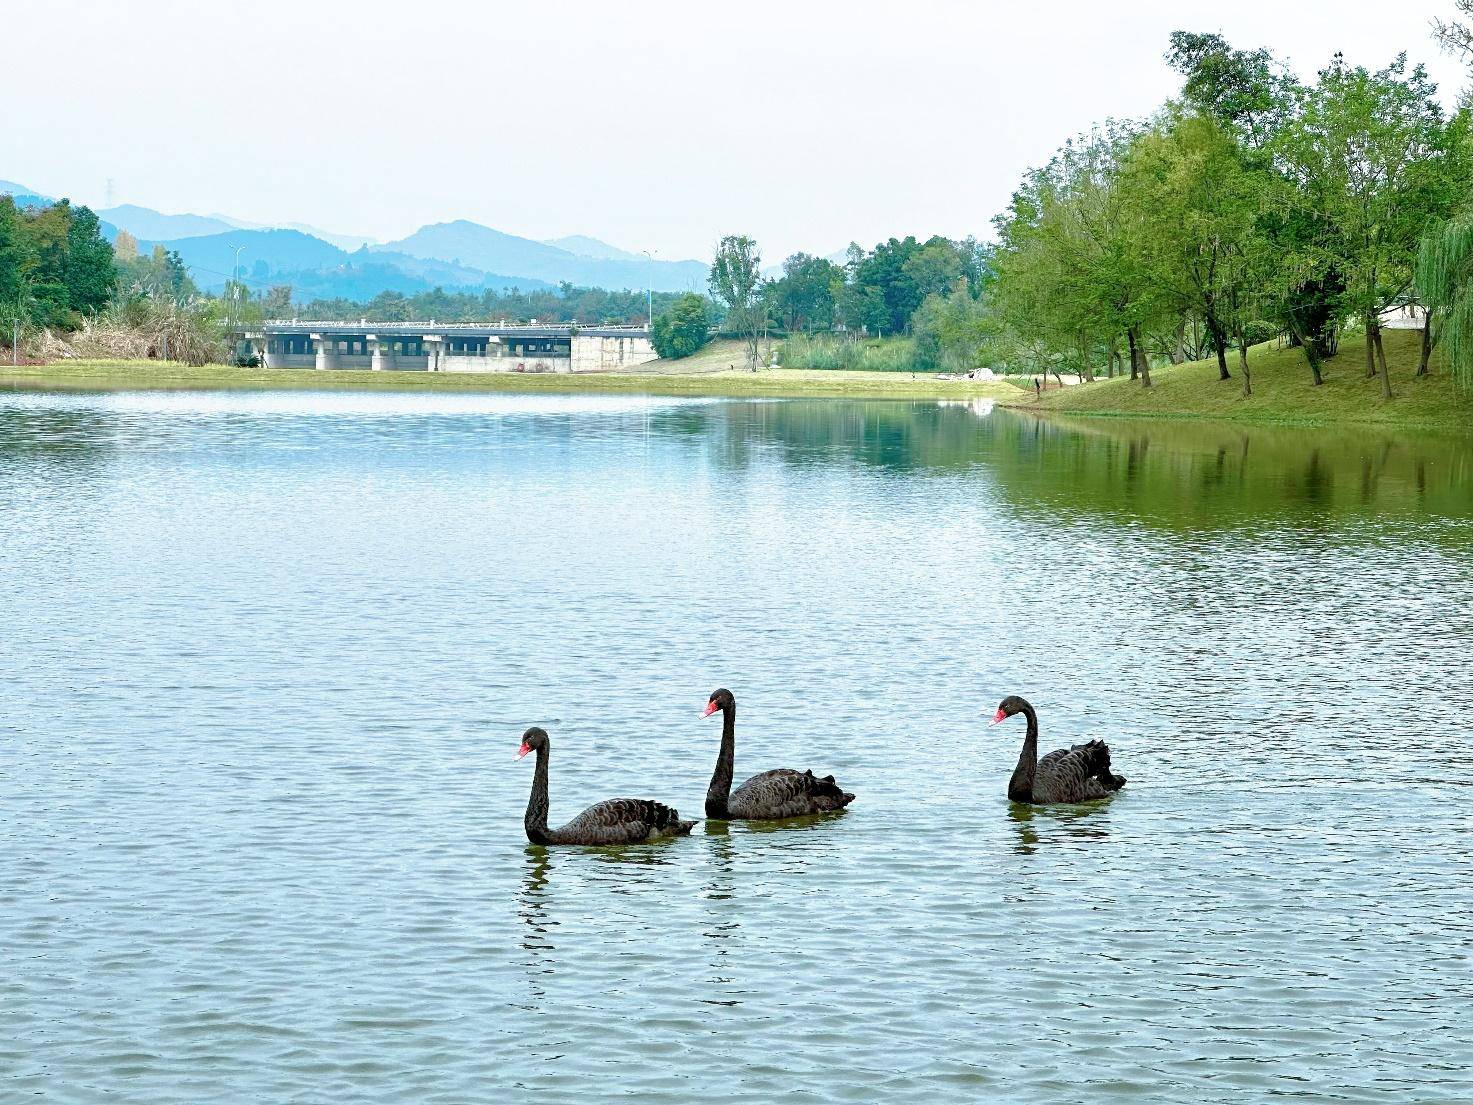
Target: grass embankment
1283,390
828,352
706,374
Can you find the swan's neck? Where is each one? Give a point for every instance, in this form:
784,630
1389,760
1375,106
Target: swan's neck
720,788
536,819
1020,786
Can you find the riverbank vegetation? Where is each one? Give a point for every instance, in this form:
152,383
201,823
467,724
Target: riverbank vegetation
720,374
828,352
1254,206
1284,392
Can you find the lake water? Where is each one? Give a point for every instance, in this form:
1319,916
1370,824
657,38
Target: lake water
267,659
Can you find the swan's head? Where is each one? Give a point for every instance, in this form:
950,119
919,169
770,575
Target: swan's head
1008,707
722,700
533,740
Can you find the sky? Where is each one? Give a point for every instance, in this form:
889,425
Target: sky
650,124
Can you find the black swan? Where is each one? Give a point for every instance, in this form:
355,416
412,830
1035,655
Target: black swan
1077,774
617,821
781,792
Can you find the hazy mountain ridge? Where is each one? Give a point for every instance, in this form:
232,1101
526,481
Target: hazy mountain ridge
467,243
581,245
458,254
145,222
317,268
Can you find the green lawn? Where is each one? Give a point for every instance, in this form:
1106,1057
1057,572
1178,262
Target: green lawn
693,376
1283,390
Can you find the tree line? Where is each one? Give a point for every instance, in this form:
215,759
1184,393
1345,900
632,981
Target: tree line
1253,205
932,290
55,266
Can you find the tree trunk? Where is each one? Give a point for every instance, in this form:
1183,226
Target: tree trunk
1385,375
1370,349
1311,352
1135,368
1243,365
1110,363
1427,343
1219,343
1181,341
1380,347
1138,356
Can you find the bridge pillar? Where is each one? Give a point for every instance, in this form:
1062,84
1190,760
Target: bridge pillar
381,352
327,350
434,352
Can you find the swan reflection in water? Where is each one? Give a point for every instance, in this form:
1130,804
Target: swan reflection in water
532,905
1084,822
723,925
532,911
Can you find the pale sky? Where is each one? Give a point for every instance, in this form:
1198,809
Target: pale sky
650,124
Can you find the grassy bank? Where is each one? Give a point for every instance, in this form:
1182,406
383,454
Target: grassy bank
824,351
711,378
1283,391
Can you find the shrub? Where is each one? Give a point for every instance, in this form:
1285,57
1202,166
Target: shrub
828,351
683,329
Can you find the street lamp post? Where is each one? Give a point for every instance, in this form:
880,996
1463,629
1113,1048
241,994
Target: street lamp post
234,314
649,285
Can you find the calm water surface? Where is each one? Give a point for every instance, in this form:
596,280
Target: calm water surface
267,659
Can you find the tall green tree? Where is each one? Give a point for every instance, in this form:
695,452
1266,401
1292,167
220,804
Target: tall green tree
1375,161
736,281
955,331
88,270
1247,91
805,297
1200,200
17,260
1076,271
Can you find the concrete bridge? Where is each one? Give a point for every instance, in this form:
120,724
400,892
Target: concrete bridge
446,347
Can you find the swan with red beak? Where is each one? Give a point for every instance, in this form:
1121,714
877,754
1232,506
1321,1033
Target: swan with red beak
770,796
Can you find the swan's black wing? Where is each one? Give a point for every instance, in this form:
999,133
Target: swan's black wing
622,821
1076,774
783,792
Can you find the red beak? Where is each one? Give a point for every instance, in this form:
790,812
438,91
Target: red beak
709,710
999,716
523,750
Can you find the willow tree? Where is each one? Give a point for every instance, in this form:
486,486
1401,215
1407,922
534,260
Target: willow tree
1445,285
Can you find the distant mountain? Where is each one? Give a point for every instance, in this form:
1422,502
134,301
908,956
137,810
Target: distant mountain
144,222
580,245
362,281
211,257
459,255
23,196
480,247
342,241
316,268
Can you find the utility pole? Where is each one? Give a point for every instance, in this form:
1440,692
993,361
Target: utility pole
649,284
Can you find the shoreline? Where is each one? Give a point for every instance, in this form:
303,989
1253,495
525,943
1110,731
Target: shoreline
1283,394
1449,426
779,383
